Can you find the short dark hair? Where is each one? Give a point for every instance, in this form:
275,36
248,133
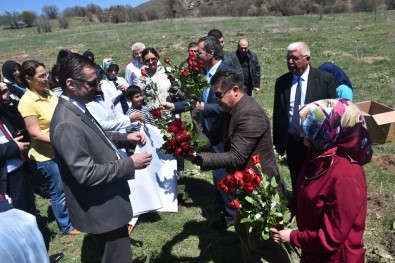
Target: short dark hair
212,44
132,90
73,67
63,53
192,44
89,54
215,33
227,78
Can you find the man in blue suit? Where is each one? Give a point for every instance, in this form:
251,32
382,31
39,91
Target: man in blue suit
211,53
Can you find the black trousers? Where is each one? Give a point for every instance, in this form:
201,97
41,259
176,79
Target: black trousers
296,153
114,246
20,191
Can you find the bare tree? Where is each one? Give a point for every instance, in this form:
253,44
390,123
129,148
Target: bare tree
172,8
50,11
11,19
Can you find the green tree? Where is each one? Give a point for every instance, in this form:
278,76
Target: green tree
28,17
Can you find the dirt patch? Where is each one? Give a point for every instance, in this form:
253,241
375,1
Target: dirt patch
386,161
378,203
372,59
347,55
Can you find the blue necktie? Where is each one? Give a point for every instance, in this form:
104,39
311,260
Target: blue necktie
295,121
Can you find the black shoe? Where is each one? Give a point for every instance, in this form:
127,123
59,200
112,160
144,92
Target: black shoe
55,257
222,224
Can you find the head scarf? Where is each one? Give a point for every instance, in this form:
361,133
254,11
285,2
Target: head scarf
338,74
107,62
337,126
8,69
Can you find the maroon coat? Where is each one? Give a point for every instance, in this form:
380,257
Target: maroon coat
331,212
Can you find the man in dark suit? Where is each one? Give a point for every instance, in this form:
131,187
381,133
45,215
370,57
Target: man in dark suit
228,57
93,174
244,131
301,85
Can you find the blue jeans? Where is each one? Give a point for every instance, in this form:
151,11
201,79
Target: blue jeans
51,173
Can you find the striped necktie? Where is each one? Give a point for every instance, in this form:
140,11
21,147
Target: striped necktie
295,121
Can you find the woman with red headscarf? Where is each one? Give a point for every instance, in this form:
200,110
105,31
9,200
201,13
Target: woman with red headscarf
331,196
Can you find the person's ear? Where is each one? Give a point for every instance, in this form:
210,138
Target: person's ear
70,83
308,58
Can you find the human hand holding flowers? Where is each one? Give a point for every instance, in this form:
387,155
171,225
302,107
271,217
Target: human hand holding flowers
257,199
281,235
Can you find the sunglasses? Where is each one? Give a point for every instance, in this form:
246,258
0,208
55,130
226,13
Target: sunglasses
220,94
154,59
92,84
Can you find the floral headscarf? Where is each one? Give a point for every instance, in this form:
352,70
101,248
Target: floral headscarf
337,123
107,62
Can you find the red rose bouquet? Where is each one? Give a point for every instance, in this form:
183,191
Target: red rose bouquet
178,140
191,79
257,199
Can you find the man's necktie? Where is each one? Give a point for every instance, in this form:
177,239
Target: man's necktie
8,136
295,121
87,113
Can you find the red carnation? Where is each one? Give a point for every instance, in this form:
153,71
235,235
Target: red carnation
185,73
200,64
156,112
222,186
167,60
193,57
248,187
144,72
234,204
171,78
191,53
239,176
255,159
256,180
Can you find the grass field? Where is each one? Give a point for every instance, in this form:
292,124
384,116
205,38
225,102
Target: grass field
363,47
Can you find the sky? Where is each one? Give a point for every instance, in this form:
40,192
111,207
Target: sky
36,5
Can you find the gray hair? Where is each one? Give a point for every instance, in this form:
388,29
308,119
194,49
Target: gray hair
302,46
136,46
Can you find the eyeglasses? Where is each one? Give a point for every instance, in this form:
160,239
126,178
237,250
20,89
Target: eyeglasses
220,94
294,58
92,84
43,76
154,59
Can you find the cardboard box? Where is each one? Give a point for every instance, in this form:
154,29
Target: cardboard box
380,120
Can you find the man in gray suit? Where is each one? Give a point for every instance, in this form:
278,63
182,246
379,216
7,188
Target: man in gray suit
244,130
93,173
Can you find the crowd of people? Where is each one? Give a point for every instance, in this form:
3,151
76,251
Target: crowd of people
72,131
